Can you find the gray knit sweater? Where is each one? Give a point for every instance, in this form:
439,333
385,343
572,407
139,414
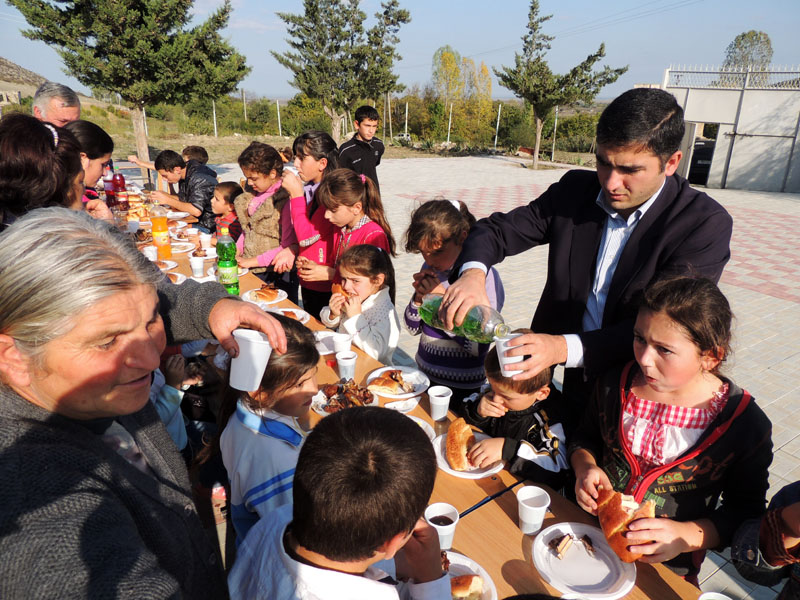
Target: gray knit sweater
78,521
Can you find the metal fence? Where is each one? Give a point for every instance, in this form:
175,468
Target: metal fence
779,78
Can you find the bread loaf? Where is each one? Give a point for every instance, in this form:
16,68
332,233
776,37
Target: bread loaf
459,440
466,587
615,512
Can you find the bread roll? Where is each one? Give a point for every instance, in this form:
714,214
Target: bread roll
459,440
615,512
338,289
390,382
466,587
265,294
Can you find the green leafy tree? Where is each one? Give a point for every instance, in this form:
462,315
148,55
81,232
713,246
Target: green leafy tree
751,49
331,53
447,76
532,79
143,50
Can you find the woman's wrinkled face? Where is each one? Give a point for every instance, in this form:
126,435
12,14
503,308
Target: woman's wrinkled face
102,366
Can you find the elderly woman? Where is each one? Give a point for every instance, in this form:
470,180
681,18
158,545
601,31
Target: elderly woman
95,498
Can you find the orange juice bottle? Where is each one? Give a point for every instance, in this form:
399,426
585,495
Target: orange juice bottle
158,217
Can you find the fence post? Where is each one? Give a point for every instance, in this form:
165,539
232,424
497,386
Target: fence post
406,131
278,106
497,127
244,106
449,122
555,128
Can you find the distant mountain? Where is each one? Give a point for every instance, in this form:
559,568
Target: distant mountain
12,72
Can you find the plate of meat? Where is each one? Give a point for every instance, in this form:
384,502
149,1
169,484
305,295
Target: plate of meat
398,383
207,253
337,396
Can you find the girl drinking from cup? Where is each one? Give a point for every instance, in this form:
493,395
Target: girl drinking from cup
263,430
438,229
670,428
353,204
364,308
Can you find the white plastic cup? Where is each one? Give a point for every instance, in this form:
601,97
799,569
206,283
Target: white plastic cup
713,596
501,344
346,364
133,226
197,263
247,368
439,398
532,502
150,252
341,342
205,240
445,531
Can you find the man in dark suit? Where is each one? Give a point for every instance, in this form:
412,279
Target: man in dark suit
610,235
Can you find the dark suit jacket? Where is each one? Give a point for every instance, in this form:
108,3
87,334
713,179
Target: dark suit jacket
683,232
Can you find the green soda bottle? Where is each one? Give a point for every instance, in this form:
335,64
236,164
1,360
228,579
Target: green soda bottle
481,324
227,267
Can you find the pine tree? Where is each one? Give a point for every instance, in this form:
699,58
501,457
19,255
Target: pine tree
332,56
141,49
532,80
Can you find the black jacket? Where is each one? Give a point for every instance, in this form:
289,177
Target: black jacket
197,188
362,157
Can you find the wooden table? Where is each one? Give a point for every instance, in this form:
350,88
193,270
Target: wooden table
490,535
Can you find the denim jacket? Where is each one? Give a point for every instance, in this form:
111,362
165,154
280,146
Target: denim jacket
748,559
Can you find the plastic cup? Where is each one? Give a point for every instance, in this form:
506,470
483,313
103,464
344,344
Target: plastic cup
439,398
197,263
133,226
247,369
193,235
532,502
501,343
437,516
713,596
346,364
205,240
341,342
150,252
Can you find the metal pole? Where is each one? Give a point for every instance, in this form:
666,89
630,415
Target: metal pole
389,104
383,129
244,106
278,106
214,110
144,118
555,127
497,127
406,132
449,122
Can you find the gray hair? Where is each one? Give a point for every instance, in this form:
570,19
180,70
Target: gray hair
49,90
54,264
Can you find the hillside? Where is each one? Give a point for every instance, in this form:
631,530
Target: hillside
12,73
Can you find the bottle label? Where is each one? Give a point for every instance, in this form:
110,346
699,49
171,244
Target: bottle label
228,275
161,238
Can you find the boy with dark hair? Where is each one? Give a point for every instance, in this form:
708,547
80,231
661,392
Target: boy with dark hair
362,153
363,479
197,153
526,419
196,183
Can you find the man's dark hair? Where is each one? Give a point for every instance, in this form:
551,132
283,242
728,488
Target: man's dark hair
197,153
366,112
168,160
363,476
646,117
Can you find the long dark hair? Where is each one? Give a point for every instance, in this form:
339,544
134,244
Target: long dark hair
437,222
369,261
94,141
319,145
263,158
346,187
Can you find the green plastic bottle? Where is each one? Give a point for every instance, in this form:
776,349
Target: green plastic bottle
227,267
481,324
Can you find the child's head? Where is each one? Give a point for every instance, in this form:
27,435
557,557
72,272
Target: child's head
438,229
364,270
348,196
364,477
516,394
224,195
683,328
170,165
262,165
197,153
366,122
289,381
315,155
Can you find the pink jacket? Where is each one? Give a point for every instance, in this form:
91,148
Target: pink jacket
317,238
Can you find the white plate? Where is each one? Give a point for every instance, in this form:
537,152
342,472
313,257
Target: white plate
179,278
403,406
170,264
319,401
212,270
182,247
463,565
248,297
179,225
324,342
413,376
440,447
600,577
298,313
426,427
177,214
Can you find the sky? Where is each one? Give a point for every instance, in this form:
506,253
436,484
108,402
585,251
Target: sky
649,36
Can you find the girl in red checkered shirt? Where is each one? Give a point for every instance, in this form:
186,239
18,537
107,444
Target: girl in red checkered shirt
671,429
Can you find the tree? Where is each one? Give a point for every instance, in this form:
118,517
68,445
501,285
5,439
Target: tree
332,53
140,49
750,49
532,79
447,76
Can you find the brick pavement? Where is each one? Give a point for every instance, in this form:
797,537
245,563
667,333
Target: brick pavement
762,282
